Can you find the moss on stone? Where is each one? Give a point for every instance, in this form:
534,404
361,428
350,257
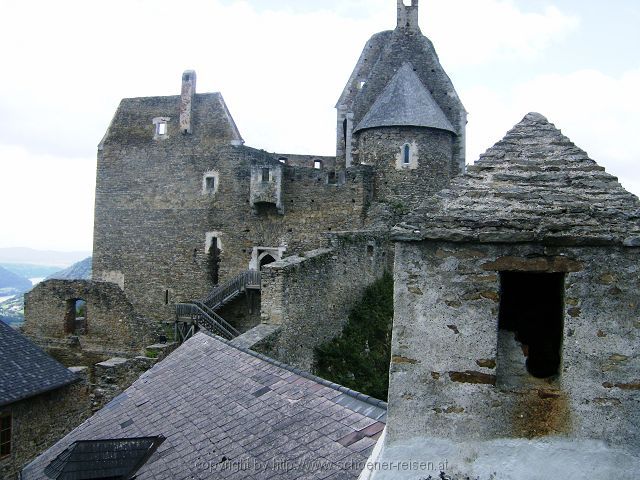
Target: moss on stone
359,358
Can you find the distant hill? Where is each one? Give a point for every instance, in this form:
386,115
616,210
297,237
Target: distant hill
10,283
40,257
28,270
78,271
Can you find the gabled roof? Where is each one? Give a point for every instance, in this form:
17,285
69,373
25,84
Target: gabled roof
223,408
132,123
533,185
405,102
25,370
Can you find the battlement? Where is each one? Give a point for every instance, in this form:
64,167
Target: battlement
408,15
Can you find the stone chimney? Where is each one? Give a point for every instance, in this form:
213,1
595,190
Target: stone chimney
408,15
186,100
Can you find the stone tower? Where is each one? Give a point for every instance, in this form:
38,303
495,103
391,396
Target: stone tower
400,113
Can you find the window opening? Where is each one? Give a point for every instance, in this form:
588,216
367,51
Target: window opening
166,297
317,164
210,184
5,435
344,131
161,128
75,320
266,175
406,154
531,310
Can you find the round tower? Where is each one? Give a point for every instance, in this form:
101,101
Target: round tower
408,139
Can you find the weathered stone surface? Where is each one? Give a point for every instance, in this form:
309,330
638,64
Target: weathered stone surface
112,325
534,185
521,406
38,422
310,296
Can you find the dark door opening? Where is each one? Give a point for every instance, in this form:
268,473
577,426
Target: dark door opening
213,262
267,259
531,306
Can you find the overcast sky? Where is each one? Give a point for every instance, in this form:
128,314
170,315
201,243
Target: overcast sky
281,65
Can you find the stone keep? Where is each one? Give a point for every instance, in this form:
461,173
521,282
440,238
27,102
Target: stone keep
517,315
174,175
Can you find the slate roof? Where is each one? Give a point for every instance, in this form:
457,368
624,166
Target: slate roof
25,370
534,185
227,412
405,102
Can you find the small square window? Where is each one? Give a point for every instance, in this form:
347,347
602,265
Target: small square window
161,128
266,175
317,164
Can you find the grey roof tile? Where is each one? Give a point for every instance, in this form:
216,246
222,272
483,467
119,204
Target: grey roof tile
201,398
26,370
405,102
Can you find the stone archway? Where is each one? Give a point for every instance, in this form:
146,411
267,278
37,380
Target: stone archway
265,259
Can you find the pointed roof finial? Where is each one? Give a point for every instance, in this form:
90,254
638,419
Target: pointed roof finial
408,15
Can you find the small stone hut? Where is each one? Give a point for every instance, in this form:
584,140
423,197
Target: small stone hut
517,315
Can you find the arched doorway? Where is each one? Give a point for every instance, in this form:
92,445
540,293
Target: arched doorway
265,259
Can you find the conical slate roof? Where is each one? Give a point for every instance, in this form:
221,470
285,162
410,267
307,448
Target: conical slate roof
405,102
533,185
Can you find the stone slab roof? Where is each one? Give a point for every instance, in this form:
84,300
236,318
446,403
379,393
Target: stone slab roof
533,185
231,413
405,102
26,370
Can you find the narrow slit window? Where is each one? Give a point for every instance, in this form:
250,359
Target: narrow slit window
266,175
406,154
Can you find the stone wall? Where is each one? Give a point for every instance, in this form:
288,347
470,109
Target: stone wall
38,422
155,217
404,186
447,381
116,375
112,326
310,295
